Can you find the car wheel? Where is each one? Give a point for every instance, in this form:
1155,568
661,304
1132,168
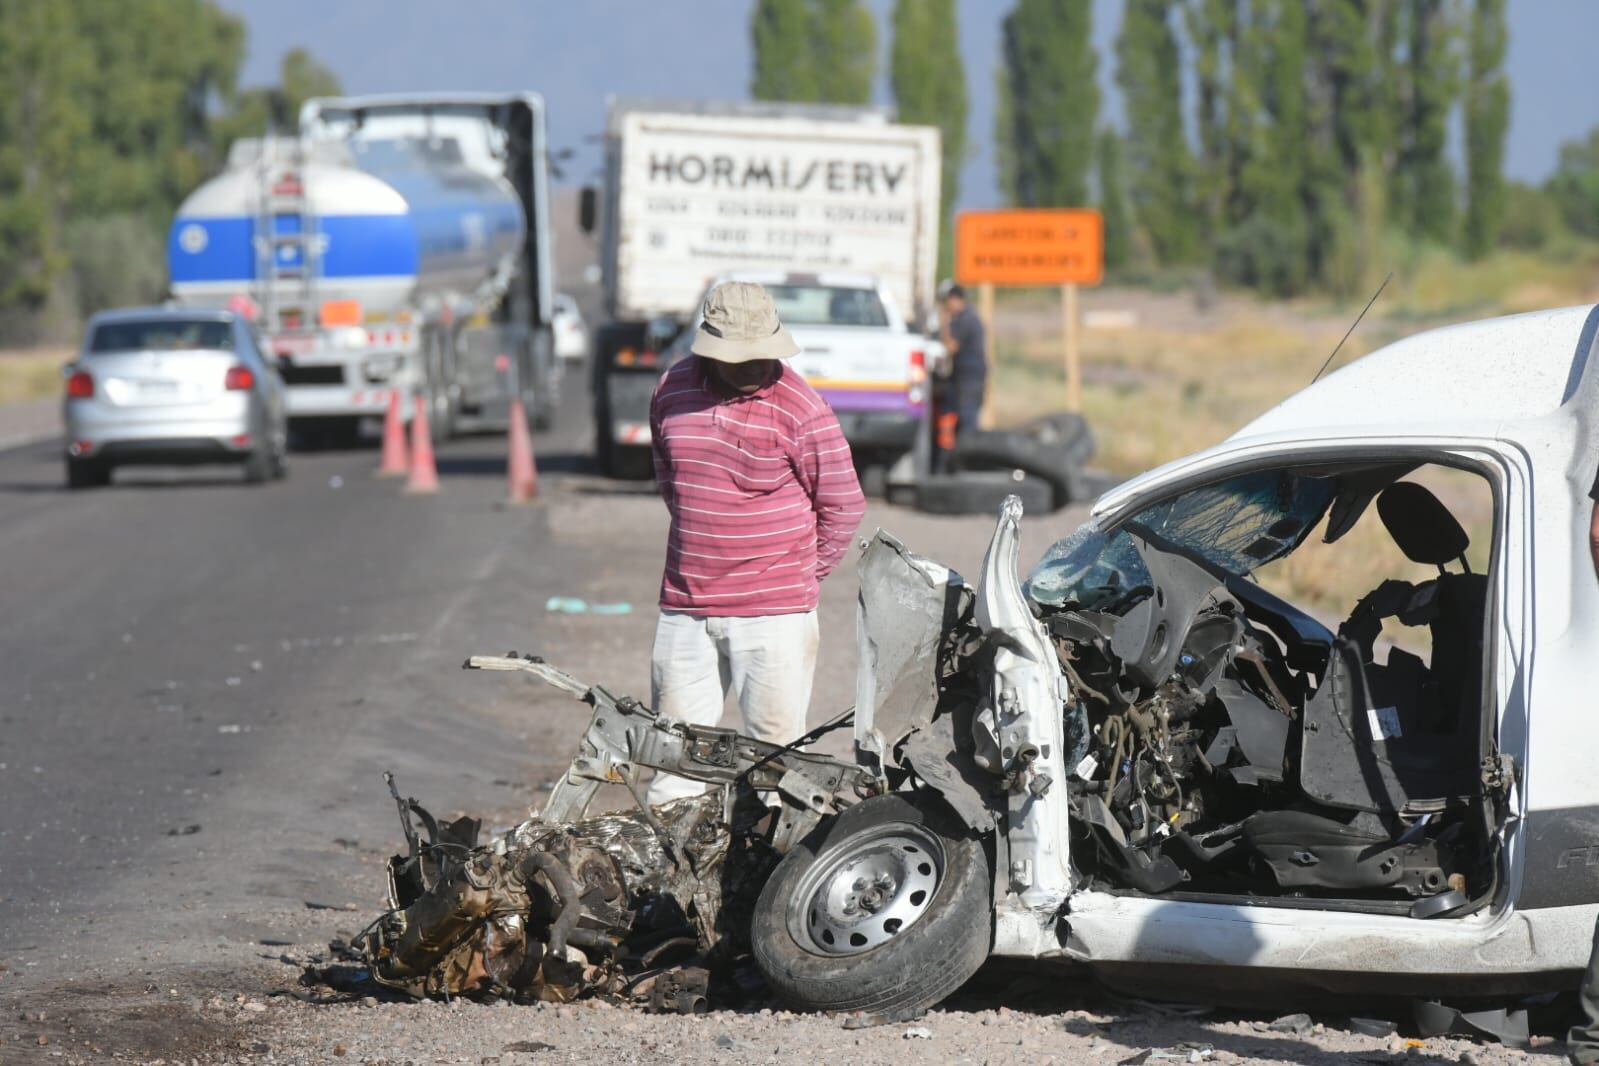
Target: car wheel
258,467
87,473
280,463
884,909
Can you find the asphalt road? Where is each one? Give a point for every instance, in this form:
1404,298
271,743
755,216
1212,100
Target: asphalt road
201,683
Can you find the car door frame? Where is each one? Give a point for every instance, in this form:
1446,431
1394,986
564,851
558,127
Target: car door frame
1101,926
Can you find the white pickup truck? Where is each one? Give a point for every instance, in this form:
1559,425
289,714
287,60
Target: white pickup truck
858,353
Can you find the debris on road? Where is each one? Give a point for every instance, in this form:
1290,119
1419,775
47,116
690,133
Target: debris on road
574,605
651,905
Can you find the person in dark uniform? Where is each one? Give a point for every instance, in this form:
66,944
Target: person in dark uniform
966,340
1582,1043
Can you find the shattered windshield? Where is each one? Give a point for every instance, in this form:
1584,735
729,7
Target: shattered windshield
1235,525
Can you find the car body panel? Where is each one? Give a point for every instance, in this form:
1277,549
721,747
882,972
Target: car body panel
1516,399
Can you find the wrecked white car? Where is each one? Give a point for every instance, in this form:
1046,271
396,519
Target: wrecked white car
1147,753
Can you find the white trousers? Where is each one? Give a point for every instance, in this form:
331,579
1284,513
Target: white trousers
768,663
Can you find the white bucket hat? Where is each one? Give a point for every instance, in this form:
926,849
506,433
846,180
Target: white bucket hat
740,324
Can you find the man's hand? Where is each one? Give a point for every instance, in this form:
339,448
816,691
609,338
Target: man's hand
1593,537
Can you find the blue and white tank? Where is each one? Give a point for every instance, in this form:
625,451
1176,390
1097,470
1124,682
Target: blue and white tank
399,224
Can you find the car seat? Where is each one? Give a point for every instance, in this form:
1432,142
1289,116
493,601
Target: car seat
1403,735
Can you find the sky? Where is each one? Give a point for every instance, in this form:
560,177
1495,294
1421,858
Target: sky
577,52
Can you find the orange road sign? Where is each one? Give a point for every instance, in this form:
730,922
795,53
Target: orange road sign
1030,246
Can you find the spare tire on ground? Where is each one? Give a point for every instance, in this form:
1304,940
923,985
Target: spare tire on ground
1054,448
982,491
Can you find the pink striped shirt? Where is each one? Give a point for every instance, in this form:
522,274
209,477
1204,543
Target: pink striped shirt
761,489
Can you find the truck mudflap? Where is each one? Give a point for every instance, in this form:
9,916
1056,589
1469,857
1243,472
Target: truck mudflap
653,904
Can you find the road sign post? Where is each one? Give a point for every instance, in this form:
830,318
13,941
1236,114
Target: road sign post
1034,247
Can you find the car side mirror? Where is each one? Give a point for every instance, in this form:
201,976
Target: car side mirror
587,208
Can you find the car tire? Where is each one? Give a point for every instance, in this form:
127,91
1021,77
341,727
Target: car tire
280,463
982,492
915,847
87,474
258,467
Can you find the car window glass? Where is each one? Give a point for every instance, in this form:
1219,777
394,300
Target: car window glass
827,305
161,335
1235,525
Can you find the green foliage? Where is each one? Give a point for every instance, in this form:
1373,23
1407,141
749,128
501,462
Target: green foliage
110,112
781,32
1113,202
816,51
1574,186
1531,220
1426,185
1052,101
117,261
1004,148
1161,167
1487,120
930,89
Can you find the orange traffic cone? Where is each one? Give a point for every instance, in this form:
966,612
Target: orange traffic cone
395,462
424,473
524,475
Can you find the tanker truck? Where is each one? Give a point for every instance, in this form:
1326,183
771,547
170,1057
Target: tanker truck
395,242
696,191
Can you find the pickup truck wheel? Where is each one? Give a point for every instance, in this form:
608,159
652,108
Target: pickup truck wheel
884,909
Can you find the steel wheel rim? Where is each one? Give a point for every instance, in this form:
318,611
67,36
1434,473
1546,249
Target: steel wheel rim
864,892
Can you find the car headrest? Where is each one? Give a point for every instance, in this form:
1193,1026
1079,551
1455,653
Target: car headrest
1422,526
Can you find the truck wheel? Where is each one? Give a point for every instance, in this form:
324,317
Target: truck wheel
884,909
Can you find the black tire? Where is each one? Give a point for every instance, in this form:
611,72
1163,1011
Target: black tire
922,961
874,480
1054,449
1065,430
981,492
258,467
280,462
631,462
87,474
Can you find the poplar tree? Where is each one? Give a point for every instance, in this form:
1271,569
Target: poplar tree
1113,201
815,51
1487,119
1053,101
930,89
1426,182
844,38
1161,178
784,67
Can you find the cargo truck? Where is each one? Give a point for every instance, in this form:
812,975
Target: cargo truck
395,242
697,191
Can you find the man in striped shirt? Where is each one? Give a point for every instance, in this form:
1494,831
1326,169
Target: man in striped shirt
764,501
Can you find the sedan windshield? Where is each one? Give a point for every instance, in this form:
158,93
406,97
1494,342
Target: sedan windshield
827,305
1236,526
161,335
